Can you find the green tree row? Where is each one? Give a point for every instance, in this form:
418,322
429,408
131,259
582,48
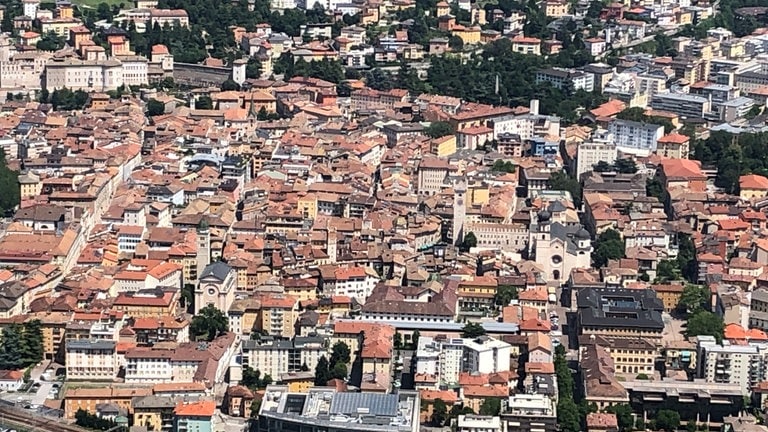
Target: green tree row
21,345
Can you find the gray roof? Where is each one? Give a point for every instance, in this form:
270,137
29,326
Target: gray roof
606,307
219,269
378,404
85,344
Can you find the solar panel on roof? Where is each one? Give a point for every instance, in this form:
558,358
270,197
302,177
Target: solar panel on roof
377,404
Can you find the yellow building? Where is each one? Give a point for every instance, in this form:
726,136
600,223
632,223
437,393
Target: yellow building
669,294
630,356
243,315
555,9
444,146
753,186
278,314
526,45
298,382
30,185
301,289
87,398
153,412
307,205
60,26
684,17
469,35
477,292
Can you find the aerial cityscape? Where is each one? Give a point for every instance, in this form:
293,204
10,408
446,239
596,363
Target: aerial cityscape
383,215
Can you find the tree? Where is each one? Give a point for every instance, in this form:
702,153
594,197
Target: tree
623,416
667,420
505,294
204,103
642,377
11,344
253,68
561,181
666,271
694,298
10,193
251,377
472,330
91,421
209,323
705,323
230,85
104,12
470,241
439,129
415,339
398,340
340,353
602,167
439,412
377,79
490,407
339,371
50,41
155,108
625,166
456,43
503,166
262,114
608,246
322,372
568,415
654,188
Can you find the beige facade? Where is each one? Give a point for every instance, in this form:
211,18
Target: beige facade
83,75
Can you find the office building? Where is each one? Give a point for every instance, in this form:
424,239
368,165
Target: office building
620,313
325,409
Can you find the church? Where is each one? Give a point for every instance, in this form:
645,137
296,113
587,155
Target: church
558,247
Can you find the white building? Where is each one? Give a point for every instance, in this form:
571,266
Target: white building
216,287
91,359
476,423
563,78
448,358
601,148
736,364
30,8
277,357
88,75
135,70
11,380
635,138
684,105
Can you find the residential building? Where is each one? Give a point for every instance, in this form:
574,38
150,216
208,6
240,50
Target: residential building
634,137
674,146
194,416
91,359
566,78
600,148
11,380
88,398
279,357
527,412
448,358
88,75
476,423
740,364
684,105
278,315
154,412
432,175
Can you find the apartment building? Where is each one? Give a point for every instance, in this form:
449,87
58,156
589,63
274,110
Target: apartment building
636,138
564,78
600,148
684,105
278,315
91,359
528,412
170,17
448,358
745,365
278,357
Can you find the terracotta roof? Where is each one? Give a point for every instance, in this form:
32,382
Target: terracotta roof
753,181
674,138
195,409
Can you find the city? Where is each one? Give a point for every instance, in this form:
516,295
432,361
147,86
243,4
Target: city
383,215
